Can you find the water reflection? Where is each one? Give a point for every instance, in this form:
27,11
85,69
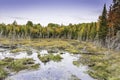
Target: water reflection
63,70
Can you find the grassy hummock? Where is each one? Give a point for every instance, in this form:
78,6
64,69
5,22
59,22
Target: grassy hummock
15,65
21,64
49,57
103,67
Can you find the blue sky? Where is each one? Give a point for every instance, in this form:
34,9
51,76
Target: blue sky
51,11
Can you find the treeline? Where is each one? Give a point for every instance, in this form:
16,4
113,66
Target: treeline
84,31
105,32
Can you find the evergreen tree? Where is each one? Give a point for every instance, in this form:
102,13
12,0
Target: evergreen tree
103,29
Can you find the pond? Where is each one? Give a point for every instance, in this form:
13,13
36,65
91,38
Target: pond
62,70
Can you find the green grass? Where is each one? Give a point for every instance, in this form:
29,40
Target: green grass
103,67
49,57
17,65
22,64
3,64
3,74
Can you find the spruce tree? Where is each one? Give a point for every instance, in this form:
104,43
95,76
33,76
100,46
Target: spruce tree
103,29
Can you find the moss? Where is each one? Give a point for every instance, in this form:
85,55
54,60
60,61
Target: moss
49,57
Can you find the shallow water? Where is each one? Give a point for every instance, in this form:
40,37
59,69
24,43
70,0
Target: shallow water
63,70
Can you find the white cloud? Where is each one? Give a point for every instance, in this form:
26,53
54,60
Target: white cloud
45,16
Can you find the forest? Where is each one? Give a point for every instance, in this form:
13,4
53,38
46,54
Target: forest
105,31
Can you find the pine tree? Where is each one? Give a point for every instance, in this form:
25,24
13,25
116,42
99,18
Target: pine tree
103,29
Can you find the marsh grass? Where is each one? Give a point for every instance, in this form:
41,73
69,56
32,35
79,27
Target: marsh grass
3,74
16,65
66,45
22,64
3,64
103,67
17,50
50,57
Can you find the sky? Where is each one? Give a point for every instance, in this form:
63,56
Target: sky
51,11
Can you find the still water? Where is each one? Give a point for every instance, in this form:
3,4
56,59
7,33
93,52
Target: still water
63,70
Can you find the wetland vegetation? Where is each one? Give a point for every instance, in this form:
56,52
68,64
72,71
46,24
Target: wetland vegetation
99,61
85,51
